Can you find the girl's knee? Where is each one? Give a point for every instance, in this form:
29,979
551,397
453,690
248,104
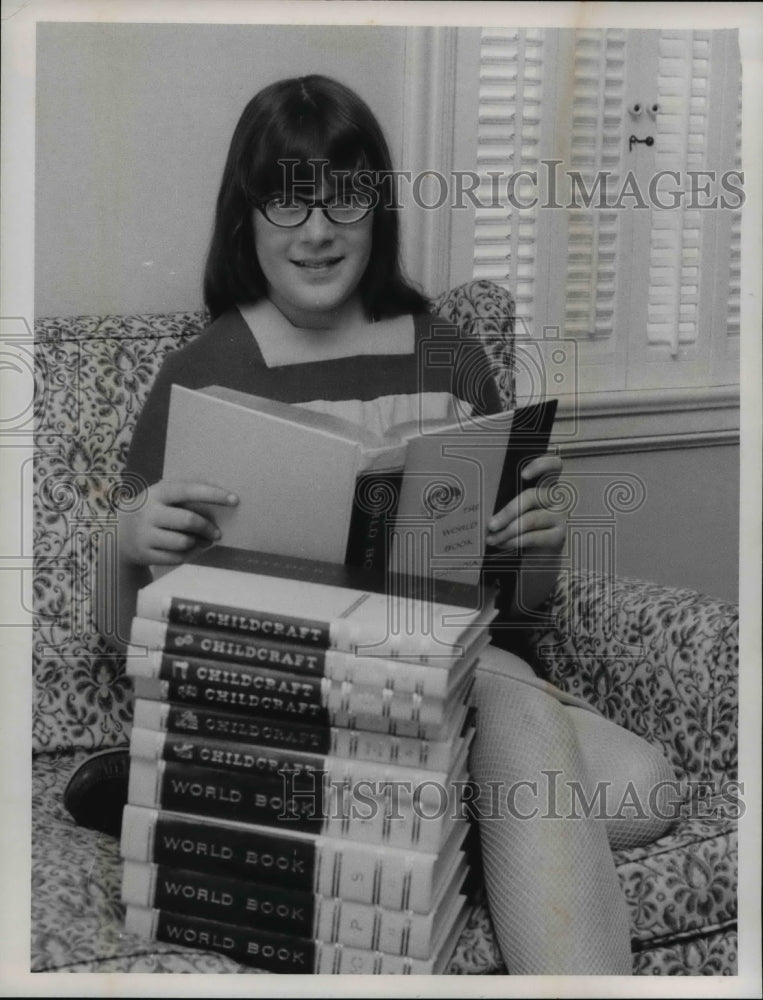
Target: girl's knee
520,730
639,786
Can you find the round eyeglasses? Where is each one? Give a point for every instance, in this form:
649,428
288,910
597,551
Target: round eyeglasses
291,212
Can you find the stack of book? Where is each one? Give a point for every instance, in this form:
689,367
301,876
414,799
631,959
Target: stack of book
296,779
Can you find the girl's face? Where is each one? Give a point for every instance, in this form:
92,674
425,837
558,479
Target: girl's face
313,271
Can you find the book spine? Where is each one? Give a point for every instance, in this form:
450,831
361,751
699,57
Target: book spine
266,950
273,908
380,813
209,647
236,701
250,946
206,644
373,513
358,872
287,734
229,755
267,691
529,437
238,620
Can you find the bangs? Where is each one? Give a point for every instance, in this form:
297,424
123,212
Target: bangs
308,153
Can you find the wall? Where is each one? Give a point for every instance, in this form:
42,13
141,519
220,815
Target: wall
133,125
686,530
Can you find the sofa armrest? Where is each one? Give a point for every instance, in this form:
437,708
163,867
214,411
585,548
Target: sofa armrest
661,661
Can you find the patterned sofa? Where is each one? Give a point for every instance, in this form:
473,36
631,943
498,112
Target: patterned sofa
662,662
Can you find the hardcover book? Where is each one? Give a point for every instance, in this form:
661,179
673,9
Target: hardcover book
151,744
282,953
327,866
293,710
270,691
378,812
194,722
293,911
185,652
416,500
367,613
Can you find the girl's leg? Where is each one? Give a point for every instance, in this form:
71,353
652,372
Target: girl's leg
553,891
637,787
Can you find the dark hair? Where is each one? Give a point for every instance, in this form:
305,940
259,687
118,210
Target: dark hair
303,120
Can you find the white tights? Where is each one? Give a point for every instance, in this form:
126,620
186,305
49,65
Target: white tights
554,895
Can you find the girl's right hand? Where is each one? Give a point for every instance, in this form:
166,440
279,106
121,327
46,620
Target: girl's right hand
163,530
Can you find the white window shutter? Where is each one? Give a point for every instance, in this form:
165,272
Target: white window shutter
650,295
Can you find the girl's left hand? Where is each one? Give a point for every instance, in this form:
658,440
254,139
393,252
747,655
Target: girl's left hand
525,524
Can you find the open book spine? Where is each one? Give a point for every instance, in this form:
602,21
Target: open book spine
377,495
356,871
166,644
229,755
288,735
270,951
287,911
381,813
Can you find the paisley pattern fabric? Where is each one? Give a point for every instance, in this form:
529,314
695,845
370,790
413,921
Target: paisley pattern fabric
661,661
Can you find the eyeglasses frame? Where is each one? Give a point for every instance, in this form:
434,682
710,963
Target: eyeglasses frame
320,203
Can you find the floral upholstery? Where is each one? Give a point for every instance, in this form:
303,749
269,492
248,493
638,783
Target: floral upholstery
661,661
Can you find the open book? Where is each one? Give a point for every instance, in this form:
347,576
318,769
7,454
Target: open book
414,501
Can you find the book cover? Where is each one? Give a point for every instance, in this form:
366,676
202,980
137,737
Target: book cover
265,452
353,870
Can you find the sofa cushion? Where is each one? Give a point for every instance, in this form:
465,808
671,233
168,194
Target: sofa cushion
94,376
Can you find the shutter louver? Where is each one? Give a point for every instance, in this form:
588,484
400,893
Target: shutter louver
595,142
510,106
676,235
735,254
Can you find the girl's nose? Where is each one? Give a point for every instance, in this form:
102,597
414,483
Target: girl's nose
318,227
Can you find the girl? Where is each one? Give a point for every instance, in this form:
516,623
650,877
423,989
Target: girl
309,306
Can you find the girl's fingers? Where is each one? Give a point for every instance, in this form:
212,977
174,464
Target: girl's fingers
547,540
533,520
548,467
158,557
187,521
178,491
535,497
171,541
